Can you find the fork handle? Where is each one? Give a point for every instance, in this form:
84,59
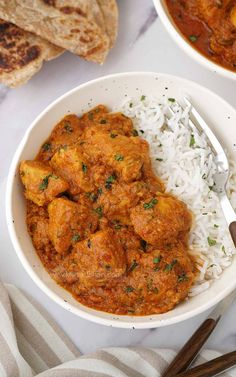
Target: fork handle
232,229
213,367
192,347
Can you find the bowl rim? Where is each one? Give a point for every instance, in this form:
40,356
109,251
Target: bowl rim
113,322
188,49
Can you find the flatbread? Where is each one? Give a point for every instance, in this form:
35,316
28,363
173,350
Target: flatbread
111,14
76,25
22,54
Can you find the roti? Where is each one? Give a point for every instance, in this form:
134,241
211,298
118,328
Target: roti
110,13
22,54
76,25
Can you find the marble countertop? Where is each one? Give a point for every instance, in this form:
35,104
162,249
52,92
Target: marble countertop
143,44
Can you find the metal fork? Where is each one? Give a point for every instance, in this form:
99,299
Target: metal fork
196,122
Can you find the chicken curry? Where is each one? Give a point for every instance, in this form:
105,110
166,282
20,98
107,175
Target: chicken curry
210,26
100,219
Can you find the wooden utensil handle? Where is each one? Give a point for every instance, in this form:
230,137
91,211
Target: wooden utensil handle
213,367
191,349
232,229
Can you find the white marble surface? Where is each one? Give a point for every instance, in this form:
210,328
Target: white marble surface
143,44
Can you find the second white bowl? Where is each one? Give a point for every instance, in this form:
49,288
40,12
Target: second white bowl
175,33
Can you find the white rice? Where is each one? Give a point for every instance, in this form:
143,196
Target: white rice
187,171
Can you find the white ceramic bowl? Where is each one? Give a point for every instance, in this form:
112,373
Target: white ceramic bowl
111,90
173,30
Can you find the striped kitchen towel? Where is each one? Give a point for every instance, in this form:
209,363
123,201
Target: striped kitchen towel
31,344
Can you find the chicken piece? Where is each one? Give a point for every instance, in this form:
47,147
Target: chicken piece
157,280
69,222
161,220
93,262
118,198
37,223
40,182
219,19
112,123
219,16
93,116
125,155
73,166
128,238
67,132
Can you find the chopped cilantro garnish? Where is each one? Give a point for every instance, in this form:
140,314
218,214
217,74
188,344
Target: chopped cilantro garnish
223,249
192,141
90,116
75,237
99,211
84,168
143,98
170,266
193,38
117,225
150,204
44,184
216,226
68,127
119,157
211,242
109,181
171,99
133,265
182,277
46,147
155,290
157,260
129,289
159,159
131,104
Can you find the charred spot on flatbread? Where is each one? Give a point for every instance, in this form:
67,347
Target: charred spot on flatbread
22,54
19,52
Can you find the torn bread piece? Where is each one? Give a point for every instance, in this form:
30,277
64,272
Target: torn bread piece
75,25
22,54
111,15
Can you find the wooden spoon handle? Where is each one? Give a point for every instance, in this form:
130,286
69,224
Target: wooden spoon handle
191,349
213,367
232,229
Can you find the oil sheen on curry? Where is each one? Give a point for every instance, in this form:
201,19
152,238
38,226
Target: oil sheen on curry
210,26
100,219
